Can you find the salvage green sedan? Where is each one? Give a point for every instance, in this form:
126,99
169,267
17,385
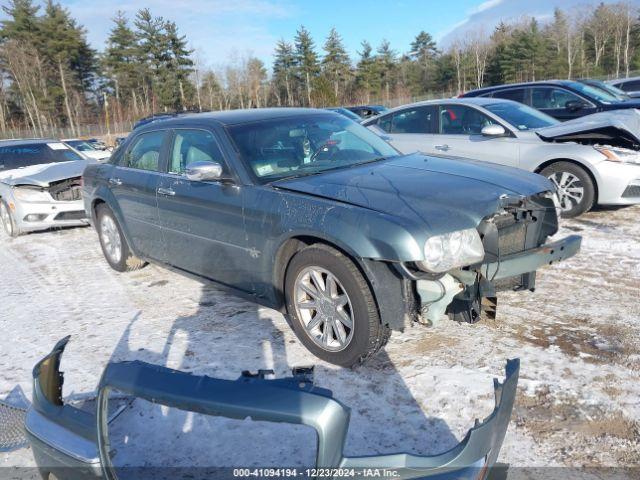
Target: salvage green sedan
310,213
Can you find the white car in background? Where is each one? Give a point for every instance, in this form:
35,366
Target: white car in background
40,186
88,149
593,160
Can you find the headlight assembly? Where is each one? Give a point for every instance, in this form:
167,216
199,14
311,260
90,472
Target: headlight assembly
452,250
29,194
621,155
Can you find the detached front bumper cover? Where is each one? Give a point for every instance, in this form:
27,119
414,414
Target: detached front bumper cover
66,438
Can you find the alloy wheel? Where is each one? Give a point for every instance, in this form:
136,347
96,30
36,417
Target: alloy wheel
5,217
324,307
570,189
110,237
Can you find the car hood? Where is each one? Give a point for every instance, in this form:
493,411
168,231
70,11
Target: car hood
618,128
42,175
443,193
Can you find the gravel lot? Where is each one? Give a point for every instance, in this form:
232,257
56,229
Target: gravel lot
577,336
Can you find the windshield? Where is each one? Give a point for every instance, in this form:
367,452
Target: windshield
521,116
306,145
595,93
25,155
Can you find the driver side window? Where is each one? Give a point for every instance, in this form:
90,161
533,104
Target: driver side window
554,98
191,146
462,120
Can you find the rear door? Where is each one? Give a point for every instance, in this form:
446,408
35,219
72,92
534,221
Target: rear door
459,135
411,129
133,183
202,221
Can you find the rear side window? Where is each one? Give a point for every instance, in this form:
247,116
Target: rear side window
515,94
191,146
144,153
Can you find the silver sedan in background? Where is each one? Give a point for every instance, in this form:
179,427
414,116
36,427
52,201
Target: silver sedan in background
593,160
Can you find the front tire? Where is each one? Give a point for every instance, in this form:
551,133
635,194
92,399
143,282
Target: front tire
576,191
114,246
8,222
332,308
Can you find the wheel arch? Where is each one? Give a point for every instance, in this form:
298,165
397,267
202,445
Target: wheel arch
99,200
582,165
292,245
382,278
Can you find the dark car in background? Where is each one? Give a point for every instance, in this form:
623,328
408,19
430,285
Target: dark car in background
313,214
347,113
561,99
631,85
615,91
366,111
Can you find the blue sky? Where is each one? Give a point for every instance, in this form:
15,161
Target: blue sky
220,29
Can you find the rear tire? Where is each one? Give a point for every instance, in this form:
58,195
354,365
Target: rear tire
322,276
8,222
576,191
114,246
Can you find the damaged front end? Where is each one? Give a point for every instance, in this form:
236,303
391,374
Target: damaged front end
514,245
73,443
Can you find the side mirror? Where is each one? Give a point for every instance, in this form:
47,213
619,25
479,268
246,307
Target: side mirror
204,171
493,130
574,105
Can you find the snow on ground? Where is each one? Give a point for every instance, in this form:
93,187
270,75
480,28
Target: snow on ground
577,337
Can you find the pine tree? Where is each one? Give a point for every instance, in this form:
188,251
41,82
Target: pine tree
176,90
284,64
119,60
423,54
306,60
336,65
22,23
386,63
366,78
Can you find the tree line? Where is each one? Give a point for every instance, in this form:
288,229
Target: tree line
52,78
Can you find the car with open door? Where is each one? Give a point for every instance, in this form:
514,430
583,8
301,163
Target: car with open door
591,160
313,214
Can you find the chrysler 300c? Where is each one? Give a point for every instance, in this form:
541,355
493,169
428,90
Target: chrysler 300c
309,212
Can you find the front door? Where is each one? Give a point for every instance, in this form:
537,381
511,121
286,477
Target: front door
202,221
133,183
553,101
460,135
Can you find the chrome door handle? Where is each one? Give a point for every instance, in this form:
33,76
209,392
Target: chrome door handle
115,181
166,191
443,148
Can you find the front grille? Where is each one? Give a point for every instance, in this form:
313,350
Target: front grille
631,191
67,190
76,215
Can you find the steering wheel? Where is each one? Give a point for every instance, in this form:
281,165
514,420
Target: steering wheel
325,147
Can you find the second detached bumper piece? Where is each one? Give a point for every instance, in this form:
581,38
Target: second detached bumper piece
63,436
